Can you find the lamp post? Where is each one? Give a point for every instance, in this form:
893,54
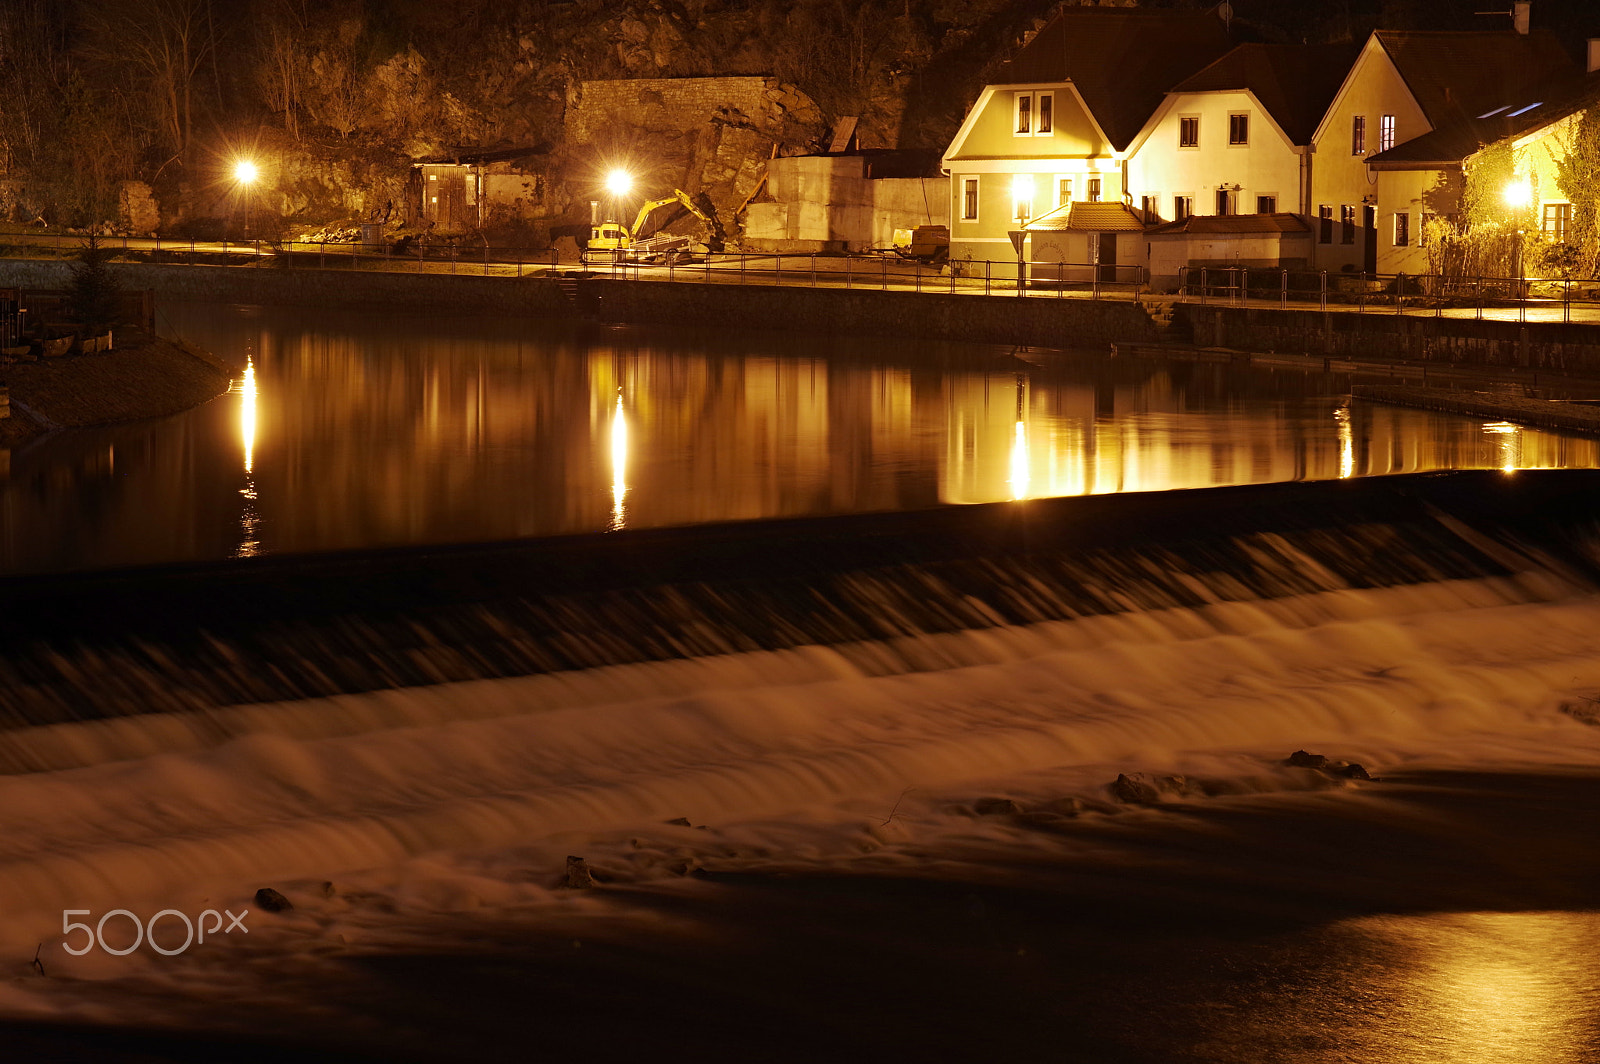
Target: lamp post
1519,196
619,183
1022,195
245,172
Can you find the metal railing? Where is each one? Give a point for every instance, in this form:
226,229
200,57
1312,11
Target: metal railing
821,270
1402,293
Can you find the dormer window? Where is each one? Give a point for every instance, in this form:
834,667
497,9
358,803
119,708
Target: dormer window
1033,114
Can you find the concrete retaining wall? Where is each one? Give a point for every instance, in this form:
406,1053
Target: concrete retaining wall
984,319
1536,345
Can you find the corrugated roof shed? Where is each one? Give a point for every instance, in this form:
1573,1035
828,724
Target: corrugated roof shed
1121,61
1235,224
1083,217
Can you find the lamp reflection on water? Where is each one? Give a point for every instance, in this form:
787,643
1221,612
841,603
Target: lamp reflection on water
619,465
1021,475
249,520
1509,438
1347,443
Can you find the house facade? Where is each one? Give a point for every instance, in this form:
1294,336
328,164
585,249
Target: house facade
1055,129
1388,154
1235,138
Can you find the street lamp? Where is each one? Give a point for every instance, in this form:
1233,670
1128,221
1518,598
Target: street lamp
245,172
619,183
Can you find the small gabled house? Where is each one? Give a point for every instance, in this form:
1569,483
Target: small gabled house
1056,125
1235,138
1375,176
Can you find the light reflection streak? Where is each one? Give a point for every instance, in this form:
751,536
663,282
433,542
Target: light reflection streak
619,465
249,519
1510,441
1347,443
1019,463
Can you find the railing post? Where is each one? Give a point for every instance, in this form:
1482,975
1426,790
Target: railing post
1361,294
1203,289
986,265
813,269
884,275
1566,301
849,260
1283,291
1324,291
1478,291
777,268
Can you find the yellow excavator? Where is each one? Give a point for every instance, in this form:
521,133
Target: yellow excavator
615,242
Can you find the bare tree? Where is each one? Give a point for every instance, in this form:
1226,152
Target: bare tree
167,41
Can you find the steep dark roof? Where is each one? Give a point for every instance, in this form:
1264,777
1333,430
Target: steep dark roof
1458,76
1527,110
1294,82
1120,60
1235,224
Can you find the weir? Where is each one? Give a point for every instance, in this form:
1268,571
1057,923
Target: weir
194,637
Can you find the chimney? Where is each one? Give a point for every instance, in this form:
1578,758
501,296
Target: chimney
1594,54
1519,16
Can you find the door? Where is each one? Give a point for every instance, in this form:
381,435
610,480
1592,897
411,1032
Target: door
1106,256
1369,239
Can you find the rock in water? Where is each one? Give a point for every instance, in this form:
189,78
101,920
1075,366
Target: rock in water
996,807
1354,771
1301,759
1135,790
578,875
272,901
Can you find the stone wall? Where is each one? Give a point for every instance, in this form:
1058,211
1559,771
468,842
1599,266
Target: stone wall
1535,345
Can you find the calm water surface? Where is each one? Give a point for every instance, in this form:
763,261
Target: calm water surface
350,430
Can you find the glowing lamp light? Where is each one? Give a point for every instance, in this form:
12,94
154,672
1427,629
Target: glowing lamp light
1022,192
619,182
245,172
1518,193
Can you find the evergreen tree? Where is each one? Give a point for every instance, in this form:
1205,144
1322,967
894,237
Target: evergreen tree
94,293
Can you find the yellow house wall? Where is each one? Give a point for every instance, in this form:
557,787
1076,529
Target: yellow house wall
1339,177
989,150
1267,166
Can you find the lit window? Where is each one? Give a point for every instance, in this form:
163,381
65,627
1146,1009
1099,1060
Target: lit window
1386,132
969,199
1556,217
1063,190
1239,129
1402,229
1358,135
1024,112
1094,190
1047,106
1189,132
1266,204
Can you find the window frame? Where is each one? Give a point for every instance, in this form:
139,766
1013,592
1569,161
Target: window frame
1400,229
1386,132
1093,191
1225,203
1325,223
1562,217
1066,180
1044,114
970,197
1358,134
1239,123
1182,207
1347,223
1187,124
1021,106
1270,199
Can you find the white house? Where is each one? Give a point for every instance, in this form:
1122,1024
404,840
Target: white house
1056,125
1235,138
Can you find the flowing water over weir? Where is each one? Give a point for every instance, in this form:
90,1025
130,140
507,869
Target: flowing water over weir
839,782
81,647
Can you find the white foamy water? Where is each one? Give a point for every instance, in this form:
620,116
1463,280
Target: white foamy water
792,755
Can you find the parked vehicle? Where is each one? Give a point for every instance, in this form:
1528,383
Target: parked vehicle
615,242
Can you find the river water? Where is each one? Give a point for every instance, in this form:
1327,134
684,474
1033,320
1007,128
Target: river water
347,430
